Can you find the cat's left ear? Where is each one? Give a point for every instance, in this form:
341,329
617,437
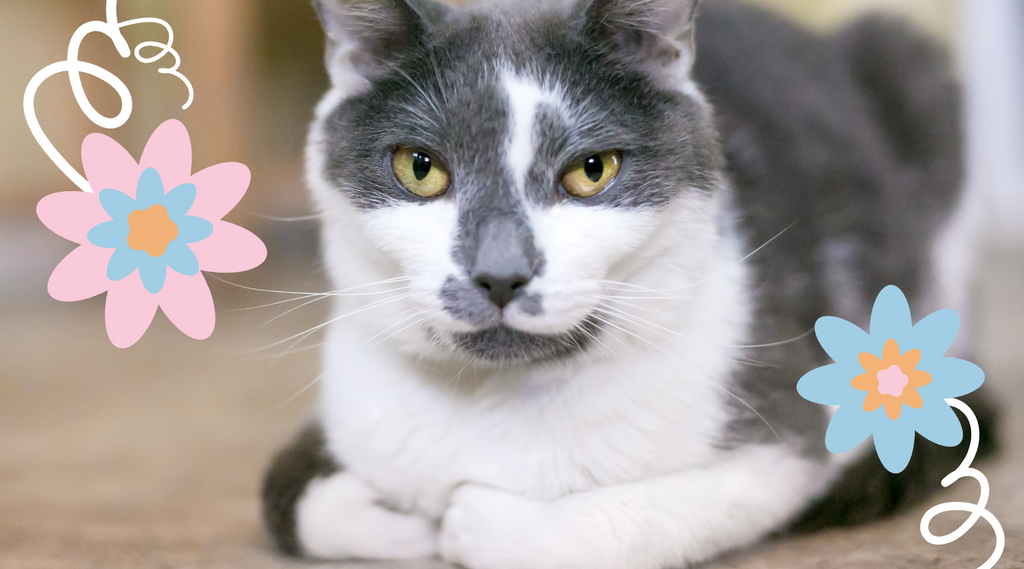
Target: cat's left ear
657,33
370,36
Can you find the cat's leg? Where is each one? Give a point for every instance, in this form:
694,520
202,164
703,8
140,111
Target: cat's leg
313,507
669,521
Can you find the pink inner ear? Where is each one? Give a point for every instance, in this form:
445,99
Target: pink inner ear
892,381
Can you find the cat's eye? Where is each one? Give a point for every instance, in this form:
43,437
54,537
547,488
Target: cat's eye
591,176
420,172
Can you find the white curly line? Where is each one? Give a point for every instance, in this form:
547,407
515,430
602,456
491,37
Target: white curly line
976,510
74,68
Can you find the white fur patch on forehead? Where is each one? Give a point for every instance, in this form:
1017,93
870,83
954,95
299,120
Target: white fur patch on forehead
525,96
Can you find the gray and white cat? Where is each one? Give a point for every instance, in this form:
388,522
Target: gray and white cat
600,236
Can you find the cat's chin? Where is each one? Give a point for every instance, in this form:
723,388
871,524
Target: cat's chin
502,344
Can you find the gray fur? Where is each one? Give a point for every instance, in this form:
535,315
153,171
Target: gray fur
466,302
501,343
303,460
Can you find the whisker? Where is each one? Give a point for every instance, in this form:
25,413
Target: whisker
646,297
744,258
299,393
636,306
629,332
730,393
749,406
624,285
279,302
636,321
395,333
454,381
291,352
303,335
339,292
319,298
669,330
616,338
625,288
595,338
779,343
297,218
292,292
384,331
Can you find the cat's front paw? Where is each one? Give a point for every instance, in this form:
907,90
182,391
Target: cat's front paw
338,517
485,528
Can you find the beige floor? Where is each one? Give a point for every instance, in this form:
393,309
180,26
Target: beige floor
151,457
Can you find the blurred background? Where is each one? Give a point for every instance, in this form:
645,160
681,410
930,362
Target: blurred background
151,456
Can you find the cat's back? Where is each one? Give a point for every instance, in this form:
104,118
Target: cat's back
845,156
852,141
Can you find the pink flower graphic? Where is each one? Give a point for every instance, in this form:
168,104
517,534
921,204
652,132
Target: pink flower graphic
145,234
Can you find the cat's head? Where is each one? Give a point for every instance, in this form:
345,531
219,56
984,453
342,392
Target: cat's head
507,163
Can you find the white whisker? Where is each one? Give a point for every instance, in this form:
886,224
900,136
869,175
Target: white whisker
307,303
738,398
721,272
407,318
638,320
395,333
306,333
300,392
596,339
629,332
749,406
309,217
279,302
308,294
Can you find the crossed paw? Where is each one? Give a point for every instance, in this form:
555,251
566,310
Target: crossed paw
482,528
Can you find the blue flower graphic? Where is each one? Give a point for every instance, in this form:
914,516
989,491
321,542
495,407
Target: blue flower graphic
852,350
179,230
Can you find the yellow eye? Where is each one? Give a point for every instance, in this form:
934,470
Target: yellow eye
591,176
420,173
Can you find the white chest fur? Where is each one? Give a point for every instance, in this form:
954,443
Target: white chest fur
652,399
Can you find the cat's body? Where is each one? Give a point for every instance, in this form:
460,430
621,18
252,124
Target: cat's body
602,381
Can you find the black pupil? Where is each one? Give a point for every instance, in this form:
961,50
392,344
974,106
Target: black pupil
420,165
593,167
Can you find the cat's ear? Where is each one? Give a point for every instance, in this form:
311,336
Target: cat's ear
657,33
369,36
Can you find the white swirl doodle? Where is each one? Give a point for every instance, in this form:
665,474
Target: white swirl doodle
75,68
976,511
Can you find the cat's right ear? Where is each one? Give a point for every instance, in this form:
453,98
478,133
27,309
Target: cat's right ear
370,36
658,34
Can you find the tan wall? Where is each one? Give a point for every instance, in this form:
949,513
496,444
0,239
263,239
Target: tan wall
936,16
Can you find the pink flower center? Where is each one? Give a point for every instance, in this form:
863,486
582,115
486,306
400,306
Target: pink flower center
891,381
151,230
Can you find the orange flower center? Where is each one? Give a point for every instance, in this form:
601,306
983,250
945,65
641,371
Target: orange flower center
151,230
891,380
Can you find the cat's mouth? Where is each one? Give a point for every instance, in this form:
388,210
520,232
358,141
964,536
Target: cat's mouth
503,344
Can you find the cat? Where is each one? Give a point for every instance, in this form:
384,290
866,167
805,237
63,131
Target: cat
580,248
